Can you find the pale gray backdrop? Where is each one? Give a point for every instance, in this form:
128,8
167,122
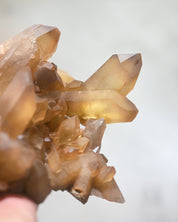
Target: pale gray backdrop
144,152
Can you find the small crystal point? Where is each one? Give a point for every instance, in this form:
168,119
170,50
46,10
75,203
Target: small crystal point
109,191
47,38
94,132
132,63
66,78
47,78
69,130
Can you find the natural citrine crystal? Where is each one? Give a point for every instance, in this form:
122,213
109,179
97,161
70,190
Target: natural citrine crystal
51,125
68,130
15,159
56,108
37,137
74,85
66,78
54,162
41,110
56,114
116,73
37,182
94,132
46,38
27,48
80,143
106,174
17,104
47,78
100,103
109,191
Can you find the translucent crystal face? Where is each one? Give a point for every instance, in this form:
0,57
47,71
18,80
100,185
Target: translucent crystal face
35,44
17,103
51,125
118,73
100,103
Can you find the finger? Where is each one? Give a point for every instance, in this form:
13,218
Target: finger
17,209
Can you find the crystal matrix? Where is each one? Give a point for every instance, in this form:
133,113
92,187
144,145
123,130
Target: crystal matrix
43,145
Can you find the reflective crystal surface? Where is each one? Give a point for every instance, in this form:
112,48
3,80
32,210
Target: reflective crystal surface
100,103
51,125
35,44
17,103
119,72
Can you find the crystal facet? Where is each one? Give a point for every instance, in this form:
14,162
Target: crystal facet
17,103
100,103
51,125
29,47
118,72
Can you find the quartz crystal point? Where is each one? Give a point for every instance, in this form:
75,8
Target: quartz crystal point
109,191
47,78
68,130
119,72
94,132
100,103
66,78
27,48
51,125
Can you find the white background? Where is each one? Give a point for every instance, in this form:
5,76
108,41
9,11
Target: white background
144,152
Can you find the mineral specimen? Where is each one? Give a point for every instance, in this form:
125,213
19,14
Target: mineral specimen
51,125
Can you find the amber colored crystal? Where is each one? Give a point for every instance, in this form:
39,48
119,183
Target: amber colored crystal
68,130
109,191
56,108
17,104
41,110
81,143
51,125
66,78
118,72
74,85
100,103
47,78
94,132
29,47
15,159
54,162
37,182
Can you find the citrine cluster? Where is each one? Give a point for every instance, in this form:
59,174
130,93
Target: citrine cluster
51,125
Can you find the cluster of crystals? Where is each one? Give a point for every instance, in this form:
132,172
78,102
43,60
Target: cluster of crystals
51,125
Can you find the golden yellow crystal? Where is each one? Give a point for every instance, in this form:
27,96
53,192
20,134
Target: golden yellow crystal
41,110
68,130
100,103
94,131
119,72
17,103
66,78
43,144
